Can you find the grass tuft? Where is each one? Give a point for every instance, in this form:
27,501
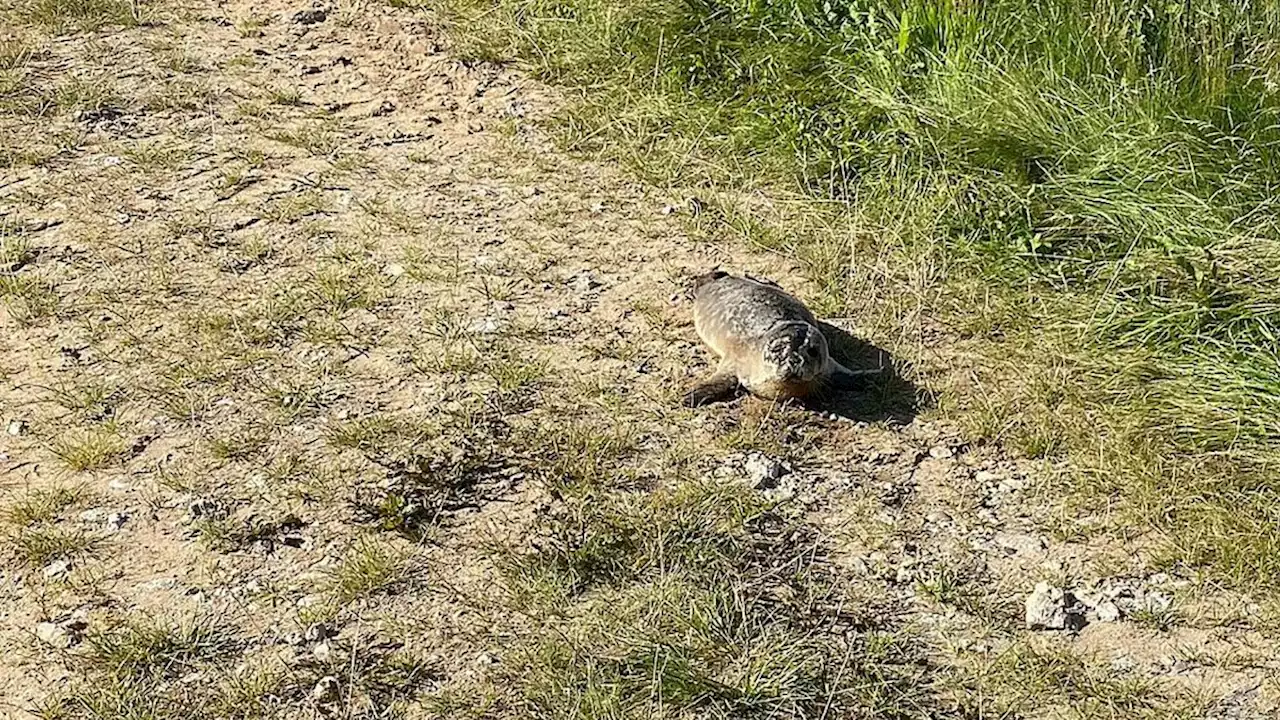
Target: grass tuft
84,15
90,449
368,568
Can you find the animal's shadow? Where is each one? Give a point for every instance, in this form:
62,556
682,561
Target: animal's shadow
886,395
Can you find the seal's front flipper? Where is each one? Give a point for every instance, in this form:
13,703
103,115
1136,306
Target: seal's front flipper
720,387
842,378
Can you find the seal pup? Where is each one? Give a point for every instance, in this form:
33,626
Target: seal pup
768,342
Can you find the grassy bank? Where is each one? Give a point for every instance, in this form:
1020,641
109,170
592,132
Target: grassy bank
1081,192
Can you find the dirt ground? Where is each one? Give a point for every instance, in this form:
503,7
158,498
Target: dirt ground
304,317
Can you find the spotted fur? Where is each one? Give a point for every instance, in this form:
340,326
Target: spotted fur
769,343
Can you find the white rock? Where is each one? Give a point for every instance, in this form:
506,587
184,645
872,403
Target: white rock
111,161
1157,601
119,485
93,515
54,635
1046,608
1107,612
57,569
485,326
394,270
327,690
16,427
116,521
584,283
940,452
763,470
322,651
1009,485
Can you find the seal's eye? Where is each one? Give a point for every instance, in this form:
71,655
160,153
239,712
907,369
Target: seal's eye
812,352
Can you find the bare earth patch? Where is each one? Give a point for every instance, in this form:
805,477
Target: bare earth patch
329,386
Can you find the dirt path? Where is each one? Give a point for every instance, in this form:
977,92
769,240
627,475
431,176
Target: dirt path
304,317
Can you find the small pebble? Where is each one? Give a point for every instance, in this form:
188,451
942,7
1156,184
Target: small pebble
1046,608
940,452
322,651
57,569
54,635
1107,612
327,690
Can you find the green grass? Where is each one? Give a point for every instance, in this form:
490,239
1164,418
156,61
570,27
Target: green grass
90,449
1082,193
368,568
84,15
41,505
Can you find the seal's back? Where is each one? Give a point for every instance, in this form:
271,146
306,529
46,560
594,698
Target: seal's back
729,311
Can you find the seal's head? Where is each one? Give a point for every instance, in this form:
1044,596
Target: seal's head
798,352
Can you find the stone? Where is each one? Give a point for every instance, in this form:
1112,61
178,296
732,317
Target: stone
322,651
327,690
1046,608
317,632
584,283
55,635
1010,485
57,569
764,471
1107,612
485,326
394,270
310,17
940,452
93,515
116,521
16,427
1156,601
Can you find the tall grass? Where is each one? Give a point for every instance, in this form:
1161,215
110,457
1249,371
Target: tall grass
1085,190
